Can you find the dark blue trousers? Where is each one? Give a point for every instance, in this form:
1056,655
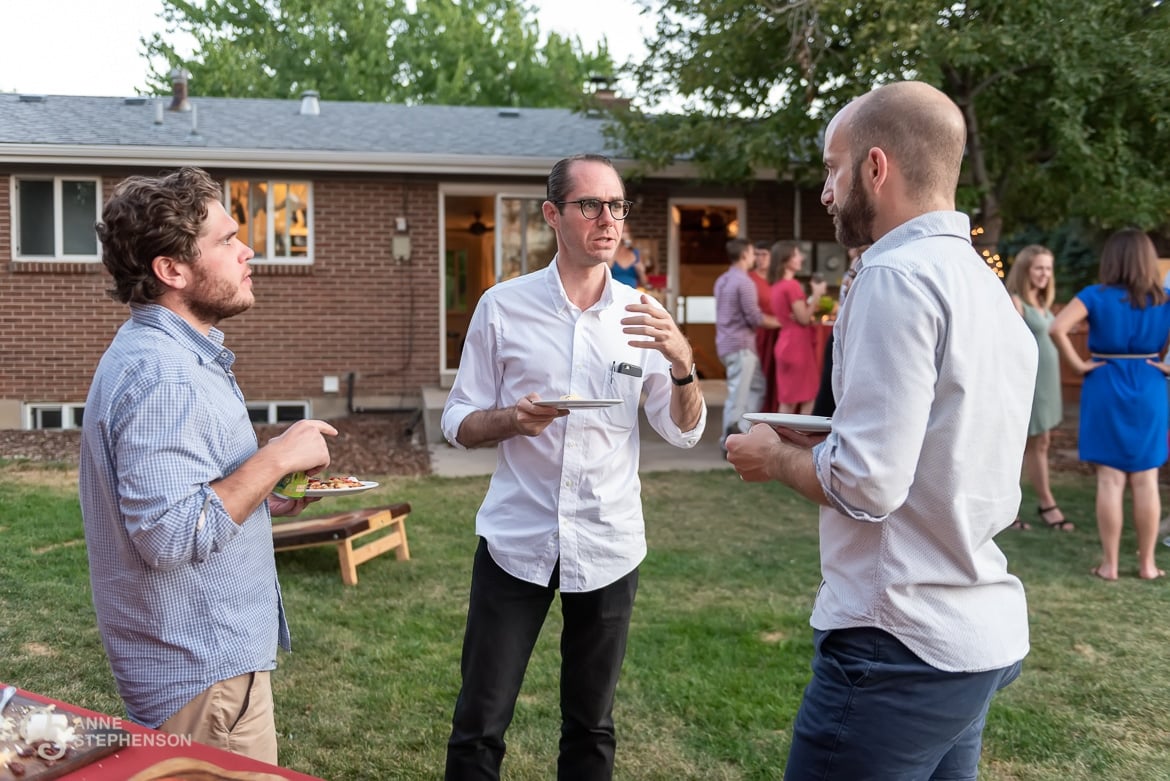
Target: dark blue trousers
876,712
504,618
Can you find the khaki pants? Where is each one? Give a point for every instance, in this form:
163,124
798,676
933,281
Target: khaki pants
234,715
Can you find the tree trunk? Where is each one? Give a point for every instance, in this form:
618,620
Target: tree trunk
987,225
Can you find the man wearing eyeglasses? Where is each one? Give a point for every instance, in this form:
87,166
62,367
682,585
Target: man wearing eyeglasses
563,510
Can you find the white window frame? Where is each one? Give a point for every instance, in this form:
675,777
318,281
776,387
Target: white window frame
30,410
270,226
271,406
58,255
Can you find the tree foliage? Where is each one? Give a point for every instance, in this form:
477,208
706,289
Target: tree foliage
455,52
1067,101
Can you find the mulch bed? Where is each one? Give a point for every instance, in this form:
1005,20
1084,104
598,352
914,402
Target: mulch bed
374,444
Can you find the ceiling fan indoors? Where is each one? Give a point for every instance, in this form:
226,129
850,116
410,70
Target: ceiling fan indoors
478,228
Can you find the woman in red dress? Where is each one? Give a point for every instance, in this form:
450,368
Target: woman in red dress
796,364
765,335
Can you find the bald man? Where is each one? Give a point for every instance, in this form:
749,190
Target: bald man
917,622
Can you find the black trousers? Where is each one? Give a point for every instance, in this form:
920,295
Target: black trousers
504,618
825,405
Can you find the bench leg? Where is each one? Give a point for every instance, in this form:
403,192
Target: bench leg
402,552
350,557
349,562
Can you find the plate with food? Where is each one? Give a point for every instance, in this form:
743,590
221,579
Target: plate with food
572,402
298,485
337,486
808,424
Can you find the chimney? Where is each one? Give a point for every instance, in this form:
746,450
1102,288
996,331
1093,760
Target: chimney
310,105
604,95
179,102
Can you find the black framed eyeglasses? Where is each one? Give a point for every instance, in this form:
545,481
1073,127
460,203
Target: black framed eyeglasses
591,207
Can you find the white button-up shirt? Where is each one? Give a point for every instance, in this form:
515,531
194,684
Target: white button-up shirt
933,371
572,492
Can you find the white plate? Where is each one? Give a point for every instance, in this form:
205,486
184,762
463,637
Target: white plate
810,424
356,489
577,403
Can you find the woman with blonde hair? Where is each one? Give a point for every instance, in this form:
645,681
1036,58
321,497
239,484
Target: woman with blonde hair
1033,289
1124,409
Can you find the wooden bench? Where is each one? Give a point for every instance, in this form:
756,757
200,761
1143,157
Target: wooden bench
343,529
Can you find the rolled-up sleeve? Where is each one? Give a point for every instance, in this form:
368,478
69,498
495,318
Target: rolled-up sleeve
164,471
868,462
658,389
478,377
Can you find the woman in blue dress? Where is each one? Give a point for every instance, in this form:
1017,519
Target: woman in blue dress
1124,407
626,266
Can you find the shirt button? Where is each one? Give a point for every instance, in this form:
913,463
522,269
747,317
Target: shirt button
568,484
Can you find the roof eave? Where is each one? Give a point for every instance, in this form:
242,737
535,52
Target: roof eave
312,160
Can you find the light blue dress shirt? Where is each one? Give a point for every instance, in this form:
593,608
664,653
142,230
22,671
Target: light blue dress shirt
184,596
572,492
933,371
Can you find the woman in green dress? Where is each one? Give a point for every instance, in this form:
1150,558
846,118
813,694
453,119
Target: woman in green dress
1033,290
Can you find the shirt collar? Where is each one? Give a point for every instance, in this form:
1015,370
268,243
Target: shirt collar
560,298
940,223
206,348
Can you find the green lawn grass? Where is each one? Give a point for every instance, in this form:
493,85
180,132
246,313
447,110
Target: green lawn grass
718,654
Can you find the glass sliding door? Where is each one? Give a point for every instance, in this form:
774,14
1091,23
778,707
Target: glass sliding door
526,242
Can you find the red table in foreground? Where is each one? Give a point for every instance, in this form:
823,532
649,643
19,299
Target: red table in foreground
144,754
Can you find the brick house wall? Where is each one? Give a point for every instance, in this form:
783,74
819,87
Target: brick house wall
55,319
769,210
816,224
354,310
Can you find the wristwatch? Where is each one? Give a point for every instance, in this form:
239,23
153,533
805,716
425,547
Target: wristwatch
685,380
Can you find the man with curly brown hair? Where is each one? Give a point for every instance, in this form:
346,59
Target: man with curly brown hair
175,494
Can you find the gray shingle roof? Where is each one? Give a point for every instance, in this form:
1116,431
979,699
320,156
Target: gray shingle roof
223,125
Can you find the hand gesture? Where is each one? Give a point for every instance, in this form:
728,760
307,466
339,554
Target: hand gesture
658,331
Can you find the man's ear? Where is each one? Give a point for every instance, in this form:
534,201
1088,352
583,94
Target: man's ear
551,213
172,273
876,169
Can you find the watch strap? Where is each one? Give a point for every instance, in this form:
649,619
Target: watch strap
685,380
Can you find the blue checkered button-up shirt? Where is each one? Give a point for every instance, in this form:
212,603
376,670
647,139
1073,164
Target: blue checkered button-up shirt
184,596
